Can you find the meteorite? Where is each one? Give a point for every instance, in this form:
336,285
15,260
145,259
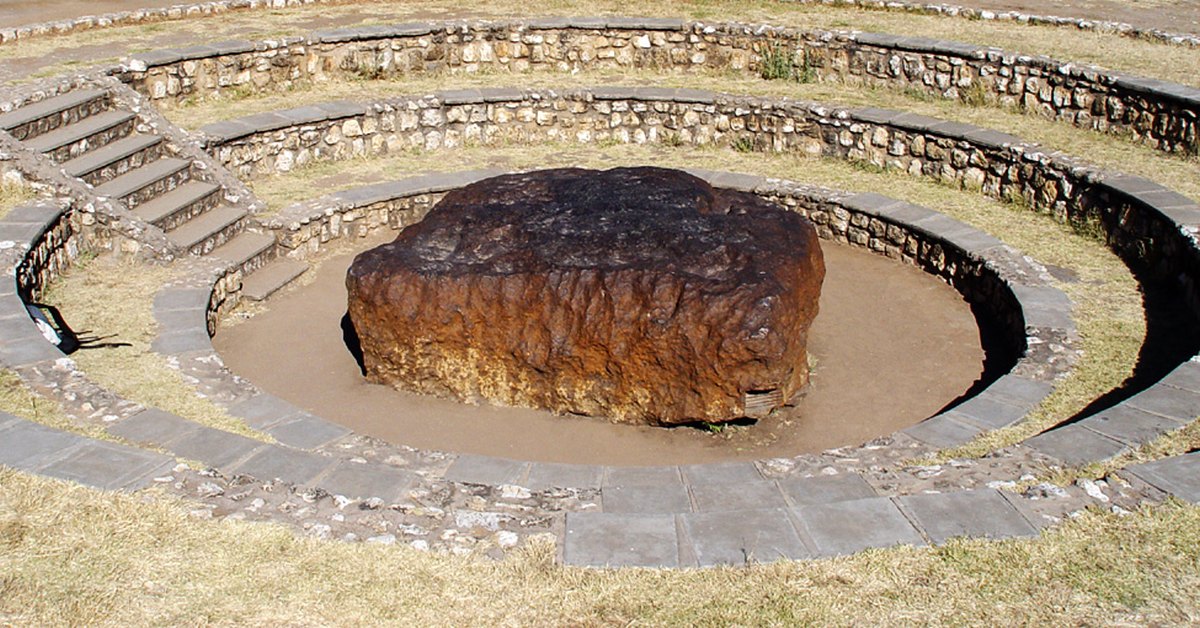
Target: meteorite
642,295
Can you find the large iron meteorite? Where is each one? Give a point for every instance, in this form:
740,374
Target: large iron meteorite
638,294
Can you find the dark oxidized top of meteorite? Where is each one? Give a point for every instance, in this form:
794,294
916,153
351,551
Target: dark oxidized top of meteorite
639,294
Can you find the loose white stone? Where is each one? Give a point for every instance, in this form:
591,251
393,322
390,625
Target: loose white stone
506,539
208,489
512,491
486,520
386,539
1092,489
420,544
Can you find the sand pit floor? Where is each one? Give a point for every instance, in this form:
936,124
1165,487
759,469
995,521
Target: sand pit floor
892,346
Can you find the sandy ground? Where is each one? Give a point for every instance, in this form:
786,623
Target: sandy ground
892,346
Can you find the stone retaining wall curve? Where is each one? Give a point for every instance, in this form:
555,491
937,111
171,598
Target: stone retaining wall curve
1149,225
1160,113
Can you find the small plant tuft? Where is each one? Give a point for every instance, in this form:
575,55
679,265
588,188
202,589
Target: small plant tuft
744,144
779,63
976,94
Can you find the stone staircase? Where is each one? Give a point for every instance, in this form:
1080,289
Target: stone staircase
92,138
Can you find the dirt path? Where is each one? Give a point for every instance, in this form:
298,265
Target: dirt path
892,346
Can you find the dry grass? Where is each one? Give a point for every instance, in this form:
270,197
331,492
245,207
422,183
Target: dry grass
69,555
109,295
19,400
11,195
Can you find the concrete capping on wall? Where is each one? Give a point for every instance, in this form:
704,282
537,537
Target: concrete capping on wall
1161,113
1146,223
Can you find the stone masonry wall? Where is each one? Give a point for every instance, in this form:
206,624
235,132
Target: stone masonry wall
51,252
1149,225
1159,113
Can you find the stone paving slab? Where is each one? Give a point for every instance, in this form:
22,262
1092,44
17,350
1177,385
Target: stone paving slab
1185,376
1020,391
1075,445
214,447
153,427
262,410
545,475
110,466
25,347
848,527
473,469
1044,306
361,481
666,498
1129,425
988,412
742,496
1177,475
306,431
28,445
721,473
826,489
641,476
739,538
172,299
182,341
943,430
620,540
275,462
975,513
1174,403
181,320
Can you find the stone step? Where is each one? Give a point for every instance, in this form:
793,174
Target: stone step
155,173
208,230
270,278
177,206
46,115
89,133
246,250
115,159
